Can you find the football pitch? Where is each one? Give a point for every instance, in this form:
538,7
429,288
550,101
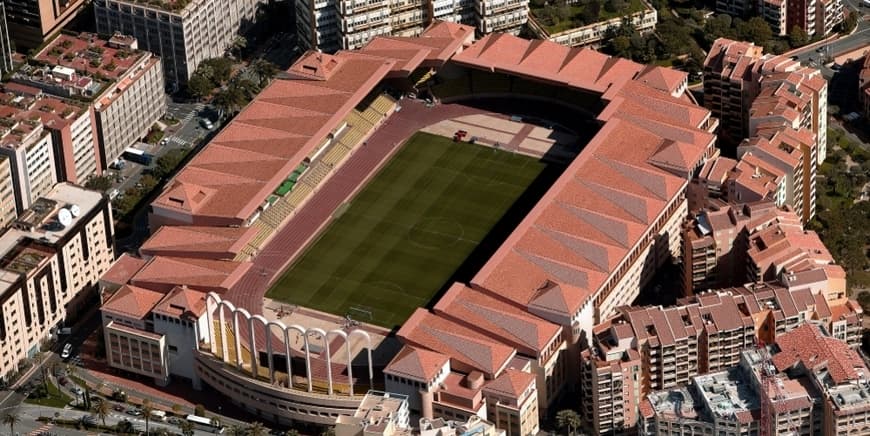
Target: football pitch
393,247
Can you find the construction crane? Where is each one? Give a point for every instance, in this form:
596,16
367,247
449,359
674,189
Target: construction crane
770,384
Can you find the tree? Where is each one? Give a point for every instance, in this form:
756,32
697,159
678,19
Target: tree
330,431
850,22
235,430
125,427
186,428
102,411
199,410
11,419
797,37
99,183
239,44
176,408
568,419
199,86
755,30
591,12
146,411
256,429
291,432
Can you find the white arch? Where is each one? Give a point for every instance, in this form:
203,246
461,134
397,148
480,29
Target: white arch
283,328
215,302
347,348
303,333
368,338
323,335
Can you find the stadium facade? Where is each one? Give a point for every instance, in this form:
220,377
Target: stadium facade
502,347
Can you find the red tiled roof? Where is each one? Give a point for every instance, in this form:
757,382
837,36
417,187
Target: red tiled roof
511,383
468,347
506,322
132,302
123,269
180,301
416,363
198,241
164,273
806,345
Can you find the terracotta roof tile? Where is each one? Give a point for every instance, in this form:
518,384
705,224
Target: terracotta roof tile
132,302
416,364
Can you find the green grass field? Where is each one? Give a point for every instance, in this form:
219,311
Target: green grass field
402,237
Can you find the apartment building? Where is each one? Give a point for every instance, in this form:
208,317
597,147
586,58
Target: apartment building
715,241
379,414
775,12
812,384
451,371
793,153
8,213
50,260
32,22
154,333
124,84
29,147
5,42
181,33
784,249
737,74
645,349
594,34
829,15
735,8
68,123
350,24
474,425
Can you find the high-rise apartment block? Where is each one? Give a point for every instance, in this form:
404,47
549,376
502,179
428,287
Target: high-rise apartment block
28,146
815,17
8,212
646,349
5,42
806,383
54,253
124,85
753,92
348,24
68,122
31,22
182,33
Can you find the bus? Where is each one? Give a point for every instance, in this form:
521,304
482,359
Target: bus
204,424
138,156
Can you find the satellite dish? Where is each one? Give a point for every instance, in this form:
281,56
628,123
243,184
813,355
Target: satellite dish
64,217
75,210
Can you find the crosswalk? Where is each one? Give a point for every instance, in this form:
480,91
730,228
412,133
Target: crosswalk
45,427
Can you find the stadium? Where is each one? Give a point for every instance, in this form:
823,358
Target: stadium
429,193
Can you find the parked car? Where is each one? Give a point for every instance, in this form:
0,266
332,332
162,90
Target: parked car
118,407
67,351
134,412
205,122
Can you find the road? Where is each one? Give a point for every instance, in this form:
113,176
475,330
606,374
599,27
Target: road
843,45
30,412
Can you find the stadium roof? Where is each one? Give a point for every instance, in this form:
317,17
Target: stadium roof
599,209
226,182
530,334
163,273
198,241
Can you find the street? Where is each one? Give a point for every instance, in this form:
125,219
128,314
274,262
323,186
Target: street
29,424
845,44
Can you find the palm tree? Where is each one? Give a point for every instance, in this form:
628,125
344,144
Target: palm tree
102,411
146,411
568,419
256,429
291,432
235,430
125,427
11,419
186,428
